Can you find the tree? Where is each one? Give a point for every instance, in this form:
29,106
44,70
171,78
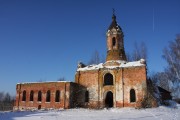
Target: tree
95,58
139,52
61,79
172,56
1,96
160,79
7,98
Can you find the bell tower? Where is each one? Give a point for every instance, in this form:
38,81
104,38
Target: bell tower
115,41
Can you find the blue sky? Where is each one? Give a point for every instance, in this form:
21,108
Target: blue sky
45,39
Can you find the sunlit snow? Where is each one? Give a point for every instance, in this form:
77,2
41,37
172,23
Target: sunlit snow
122,64
160,113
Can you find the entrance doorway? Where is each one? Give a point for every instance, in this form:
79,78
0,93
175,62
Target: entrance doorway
109,99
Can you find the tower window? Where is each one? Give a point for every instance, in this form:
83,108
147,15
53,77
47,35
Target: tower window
114,41
24,96
31,95
86,96
108,79
48,96
132,95
57,98
39,96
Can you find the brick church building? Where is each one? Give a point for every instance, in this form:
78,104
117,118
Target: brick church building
115,83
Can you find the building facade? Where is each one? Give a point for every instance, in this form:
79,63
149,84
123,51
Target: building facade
115,83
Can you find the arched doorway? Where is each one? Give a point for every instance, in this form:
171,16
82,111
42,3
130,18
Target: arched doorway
109,99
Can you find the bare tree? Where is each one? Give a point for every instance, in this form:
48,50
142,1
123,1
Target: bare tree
95,59
160,79
61,79
128,56
7,98
40,80
6,101
1,96
103,59
143,49
136,53
172,56
139,52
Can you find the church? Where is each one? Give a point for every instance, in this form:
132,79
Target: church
115,83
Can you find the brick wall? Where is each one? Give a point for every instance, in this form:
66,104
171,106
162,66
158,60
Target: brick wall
63,87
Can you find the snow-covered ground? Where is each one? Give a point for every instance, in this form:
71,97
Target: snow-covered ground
160,113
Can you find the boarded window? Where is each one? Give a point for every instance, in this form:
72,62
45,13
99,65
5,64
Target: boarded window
32,95
108,79
39,95
57,97
24,96
87,96
114,41
48,96
132,95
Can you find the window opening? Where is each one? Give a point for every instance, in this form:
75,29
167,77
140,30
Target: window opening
31,95
48,97
108,79
24,96
57,99
132,95
114,41
39,96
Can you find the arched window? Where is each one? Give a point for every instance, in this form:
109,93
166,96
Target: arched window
39,95
132,95
108,79
48,96
31,95
114,41
24,96
87,96
57,97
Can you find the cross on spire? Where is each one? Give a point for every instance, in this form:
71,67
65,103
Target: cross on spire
113,11
113,16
